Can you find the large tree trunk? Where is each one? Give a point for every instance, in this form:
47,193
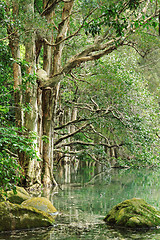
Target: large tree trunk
31,166
47,108
50,96
47,131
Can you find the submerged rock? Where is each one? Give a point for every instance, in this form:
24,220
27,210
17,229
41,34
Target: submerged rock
133,213
42,204
16,217
18,197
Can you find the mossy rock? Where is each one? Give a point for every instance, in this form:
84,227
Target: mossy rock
22,190
18,197
133,213
16,217
41,203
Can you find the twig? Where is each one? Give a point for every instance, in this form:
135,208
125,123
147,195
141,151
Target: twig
11,153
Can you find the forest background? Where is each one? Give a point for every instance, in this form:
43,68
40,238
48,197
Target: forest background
79,82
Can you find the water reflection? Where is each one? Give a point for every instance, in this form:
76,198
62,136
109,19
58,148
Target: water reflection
83,198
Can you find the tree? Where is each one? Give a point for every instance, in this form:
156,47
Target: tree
116,120
13,137
92,29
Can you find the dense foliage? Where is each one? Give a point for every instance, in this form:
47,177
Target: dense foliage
13,140
121,110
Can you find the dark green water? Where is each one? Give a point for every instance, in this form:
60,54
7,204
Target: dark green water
84,198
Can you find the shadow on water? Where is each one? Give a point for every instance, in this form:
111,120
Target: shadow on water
85,197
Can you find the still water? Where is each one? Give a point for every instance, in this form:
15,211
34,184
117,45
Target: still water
84,197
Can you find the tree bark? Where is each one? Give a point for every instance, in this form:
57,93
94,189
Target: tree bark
49,102
47,105
31,166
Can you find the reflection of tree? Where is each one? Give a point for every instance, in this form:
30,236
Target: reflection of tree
93,179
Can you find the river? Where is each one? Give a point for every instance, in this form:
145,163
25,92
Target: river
84,197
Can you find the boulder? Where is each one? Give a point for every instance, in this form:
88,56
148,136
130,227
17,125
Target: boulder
133,213
16,217
18,197
42,204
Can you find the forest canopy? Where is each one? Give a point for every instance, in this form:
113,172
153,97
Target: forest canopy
74,88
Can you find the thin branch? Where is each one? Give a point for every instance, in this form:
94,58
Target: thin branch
95,159
11,153
117,117
157,135
133,45
37,7
98,133
85,133
85,108
80,80
149,64
88,107
97,107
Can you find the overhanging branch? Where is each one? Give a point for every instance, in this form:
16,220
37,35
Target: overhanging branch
89,144
71,122
71,134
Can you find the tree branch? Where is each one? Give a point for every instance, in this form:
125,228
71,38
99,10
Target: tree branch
89,144
71,122
69,152
11,153
133,45
93,52
95,159
50,8
76,78
72,35
71,134
98,133
88,107
96,105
